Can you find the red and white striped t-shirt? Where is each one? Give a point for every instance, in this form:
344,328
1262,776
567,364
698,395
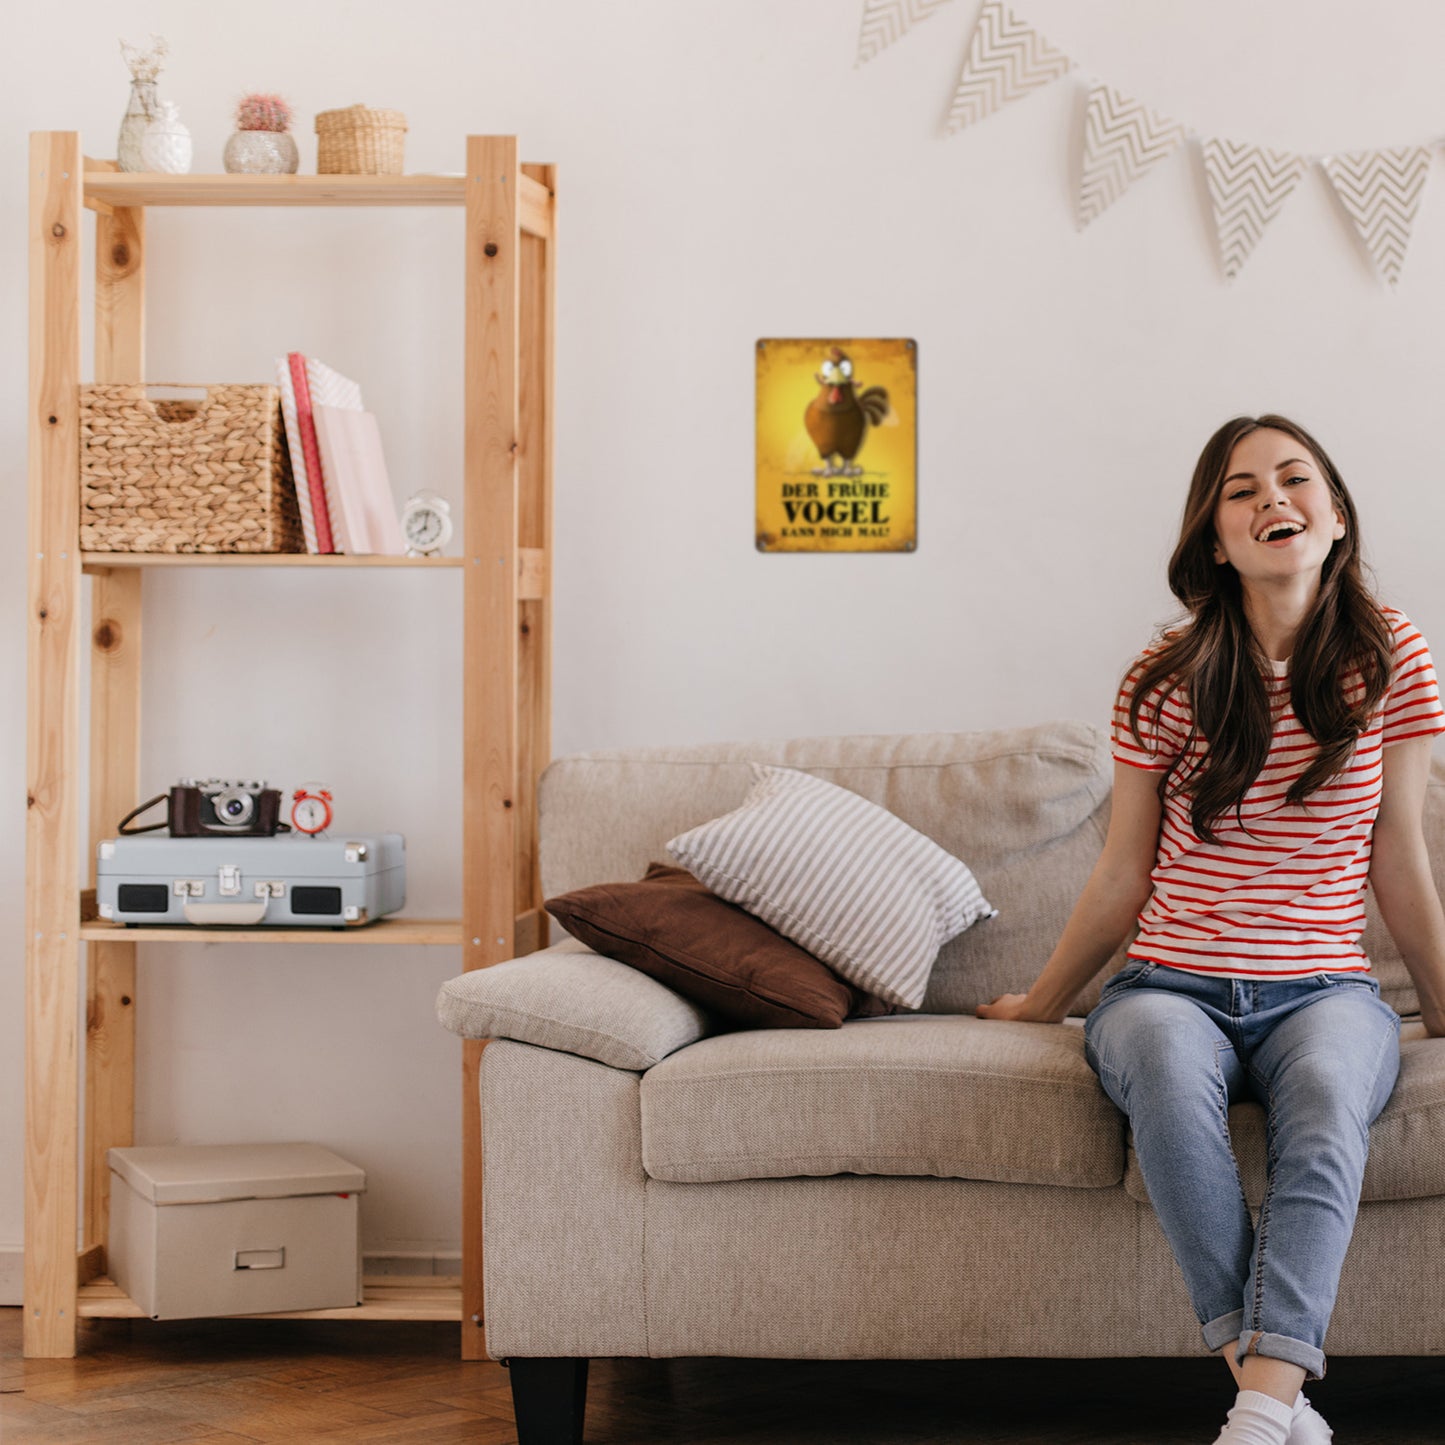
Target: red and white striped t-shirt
1286,899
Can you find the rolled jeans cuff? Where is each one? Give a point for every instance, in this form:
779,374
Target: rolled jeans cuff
1223,1331
1282,1347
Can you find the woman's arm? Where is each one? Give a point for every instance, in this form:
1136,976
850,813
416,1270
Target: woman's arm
1112,898
1400,875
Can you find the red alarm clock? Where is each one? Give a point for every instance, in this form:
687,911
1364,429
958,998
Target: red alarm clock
311,809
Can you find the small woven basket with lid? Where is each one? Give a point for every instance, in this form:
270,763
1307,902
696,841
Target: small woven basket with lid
186,476
359,142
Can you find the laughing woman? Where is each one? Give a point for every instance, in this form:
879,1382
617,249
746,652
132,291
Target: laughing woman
1271,758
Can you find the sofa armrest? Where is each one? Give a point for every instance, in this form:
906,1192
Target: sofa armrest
575,1001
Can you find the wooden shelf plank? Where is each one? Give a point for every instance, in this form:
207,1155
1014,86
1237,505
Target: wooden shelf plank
385,930
146,188
105,188
386,1297
99,561
532,567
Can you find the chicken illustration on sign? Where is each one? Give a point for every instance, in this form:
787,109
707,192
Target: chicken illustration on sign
837,459
837,418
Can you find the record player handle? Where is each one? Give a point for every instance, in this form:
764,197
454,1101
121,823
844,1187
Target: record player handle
237,913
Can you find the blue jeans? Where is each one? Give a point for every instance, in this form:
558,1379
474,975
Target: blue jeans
1173,1050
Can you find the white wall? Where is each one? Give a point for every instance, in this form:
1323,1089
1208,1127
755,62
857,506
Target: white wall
727,174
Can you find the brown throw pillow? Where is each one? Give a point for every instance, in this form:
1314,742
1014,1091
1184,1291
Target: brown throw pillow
670,927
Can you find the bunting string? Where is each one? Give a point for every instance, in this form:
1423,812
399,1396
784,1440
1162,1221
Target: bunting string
1124,139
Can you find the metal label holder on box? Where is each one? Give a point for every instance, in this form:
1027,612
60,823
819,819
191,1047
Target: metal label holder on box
251,881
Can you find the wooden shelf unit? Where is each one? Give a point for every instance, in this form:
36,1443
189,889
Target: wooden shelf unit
509,288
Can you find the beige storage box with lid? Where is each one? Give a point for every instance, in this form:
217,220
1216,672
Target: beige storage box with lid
235,1229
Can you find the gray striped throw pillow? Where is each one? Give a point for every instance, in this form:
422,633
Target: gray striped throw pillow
845,879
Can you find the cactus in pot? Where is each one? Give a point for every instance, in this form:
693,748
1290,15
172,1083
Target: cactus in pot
262,143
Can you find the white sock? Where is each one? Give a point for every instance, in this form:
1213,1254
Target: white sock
1257,1419
1307,1425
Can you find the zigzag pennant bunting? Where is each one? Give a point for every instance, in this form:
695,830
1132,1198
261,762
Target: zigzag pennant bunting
885,21
1122,140
1007,58
1381,190
1248,186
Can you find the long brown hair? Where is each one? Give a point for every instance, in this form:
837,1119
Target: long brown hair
1219,663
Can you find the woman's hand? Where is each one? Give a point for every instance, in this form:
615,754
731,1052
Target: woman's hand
1011,1006
1402,882
1117,890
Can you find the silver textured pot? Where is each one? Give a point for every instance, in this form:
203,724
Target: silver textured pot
261,153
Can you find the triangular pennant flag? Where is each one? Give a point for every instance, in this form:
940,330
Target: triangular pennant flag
1122,140
884,21
1381,190
1007,58
1248,186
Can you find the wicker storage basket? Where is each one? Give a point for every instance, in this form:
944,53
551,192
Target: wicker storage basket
186,476
359,142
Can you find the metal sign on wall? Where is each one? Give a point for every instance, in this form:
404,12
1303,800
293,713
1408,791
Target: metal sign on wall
837,445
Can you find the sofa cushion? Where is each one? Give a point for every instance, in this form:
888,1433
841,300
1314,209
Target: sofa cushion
842,877
951,1097
575,1001
674,929
1407,1141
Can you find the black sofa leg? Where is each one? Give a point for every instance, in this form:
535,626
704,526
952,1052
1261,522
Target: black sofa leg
549,1397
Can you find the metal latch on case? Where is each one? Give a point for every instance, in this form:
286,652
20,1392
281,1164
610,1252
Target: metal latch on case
260,1259
228,877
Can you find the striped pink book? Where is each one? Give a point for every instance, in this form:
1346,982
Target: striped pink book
306,429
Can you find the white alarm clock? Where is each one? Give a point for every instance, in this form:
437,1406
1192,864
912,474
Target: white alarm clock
426,524
311,809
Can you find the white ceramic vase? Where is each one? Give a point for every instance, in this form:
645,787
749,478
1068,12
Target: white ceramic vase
261,152
166,146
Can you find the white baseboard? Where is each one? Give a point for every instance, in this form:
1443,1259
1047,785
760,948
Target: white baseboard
12,1274
412,1263
12,1268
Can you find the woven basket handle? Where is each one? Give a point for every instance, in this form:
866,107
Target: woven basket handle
201,402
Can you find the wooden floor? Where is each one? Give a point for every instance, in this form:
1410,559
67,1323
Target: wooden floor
136,1383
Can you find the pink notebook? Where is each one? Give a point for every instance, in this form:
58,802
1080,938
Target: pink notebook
363,508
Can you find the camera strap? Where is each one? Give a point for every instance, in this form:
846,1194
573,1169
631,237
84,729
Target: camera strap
144,807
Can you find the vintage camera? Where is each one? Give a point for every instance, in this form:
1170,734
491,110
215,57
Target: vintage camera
215,806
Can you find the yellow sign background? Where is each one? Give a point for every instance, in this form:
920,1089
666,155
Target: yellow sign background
876,511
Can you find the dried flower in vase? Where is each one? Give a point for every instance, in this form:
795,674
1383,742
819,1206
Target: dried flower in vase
144,64
143,107
259,111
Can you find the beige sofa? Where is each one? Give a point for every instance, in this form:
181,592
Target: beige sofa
915,1186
